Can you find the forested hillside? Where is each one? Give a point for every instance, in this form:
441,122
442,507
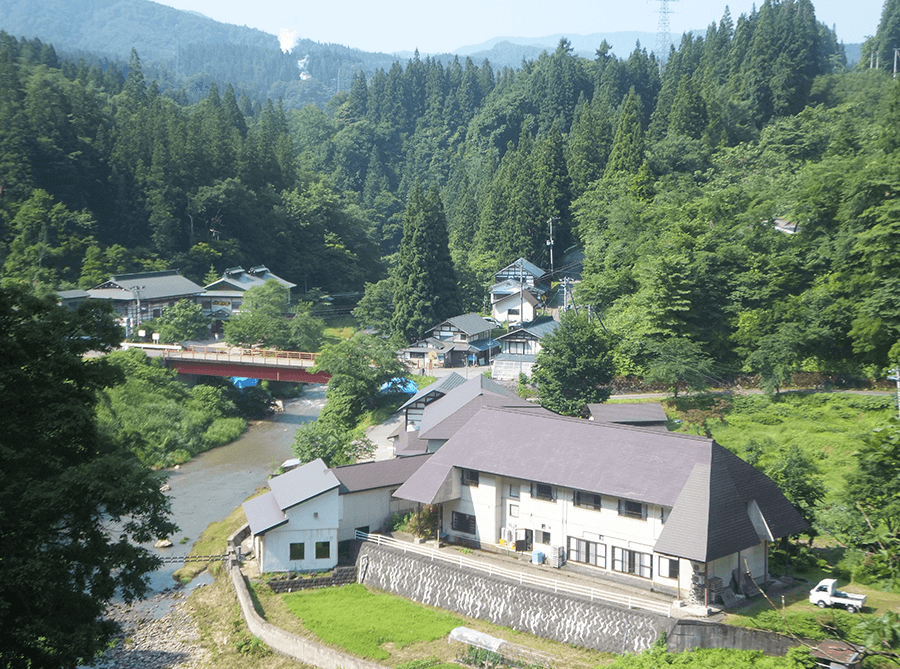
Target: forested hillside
672,179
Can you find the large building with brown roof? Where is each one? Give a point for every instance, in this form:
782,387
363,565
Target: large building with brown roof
674,509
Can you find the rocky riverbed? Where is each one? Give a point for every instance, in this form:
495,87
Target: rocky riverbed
149,640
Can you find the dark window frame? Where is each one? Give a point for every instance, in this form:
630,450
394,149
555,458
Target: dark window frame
631,509
538,493
323,550
668,567
514,487
636,563
470,477
297,551
588,500
462,522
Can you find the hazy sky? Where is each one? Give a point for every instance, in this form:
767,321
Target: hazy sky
404,25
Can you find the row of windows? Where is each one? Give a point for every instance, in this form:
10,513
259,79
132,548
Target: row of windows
547,493
323,551
623,560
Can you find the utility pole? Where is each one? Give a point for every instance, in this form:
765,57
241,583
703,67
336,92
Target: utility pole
896,377
521,292
896,49
550,243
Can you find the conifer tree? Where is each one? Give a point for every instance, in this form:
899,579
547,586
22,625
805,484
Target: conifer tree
425,290
627,153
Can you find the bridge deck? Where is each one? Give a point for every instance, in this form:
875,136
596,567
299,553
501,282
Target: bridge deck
244,356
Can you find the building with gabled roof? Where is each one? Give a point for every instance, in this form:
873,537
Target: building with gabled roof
141,296
519,348
297,525
224,296
454,342
670,508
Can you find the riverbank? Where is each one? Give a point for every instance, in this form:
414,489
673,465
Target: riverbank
149,642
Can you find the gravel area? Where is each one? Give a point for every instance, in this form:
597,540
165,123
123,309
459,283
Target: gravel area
156,633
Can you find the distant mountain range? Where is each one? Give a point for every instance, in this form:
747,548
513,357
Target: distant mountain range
190,50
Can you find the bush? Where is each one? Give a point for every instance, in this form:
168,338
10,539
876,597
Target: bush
223,431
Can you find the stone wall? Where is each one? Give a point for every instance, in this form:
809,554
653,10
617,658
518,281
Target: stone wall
562,617
285,643
691,634
340,576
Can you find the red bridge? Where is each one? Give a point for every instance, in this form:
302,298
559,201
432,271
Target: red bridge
292,366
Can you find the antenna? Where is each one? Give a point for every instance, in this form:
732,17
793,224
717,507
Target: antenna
663,36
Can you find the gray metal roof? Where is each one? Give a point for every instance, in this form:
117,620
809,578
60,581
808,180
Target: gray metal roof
439,412
538,328
662,468
469,323
636,413
439,388
527,265
379,474
150,286
241,279
296,486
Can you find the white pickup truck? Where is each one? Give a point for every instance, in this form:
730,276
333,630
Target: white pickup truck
827,594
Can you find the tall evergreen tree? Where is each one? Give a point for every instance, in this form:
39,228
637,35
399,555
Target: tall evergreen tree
425,290
627,153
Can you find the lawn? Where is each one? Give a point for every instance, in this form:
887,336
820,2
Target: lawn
361,622
828,427
339,327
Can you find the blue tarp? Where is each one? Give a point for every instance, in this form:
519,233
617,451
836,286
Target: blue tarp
399,384
243,382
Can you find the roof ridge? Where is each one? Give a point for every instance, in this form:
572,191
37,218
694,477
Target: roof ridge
582,421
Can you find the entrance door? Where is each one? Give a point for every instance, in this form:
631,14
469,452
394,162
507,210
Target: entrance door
524,544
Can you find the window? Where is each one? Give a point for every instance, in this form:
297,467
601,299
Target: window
513,510
298,551
542,491
323,550
470,477
543,537
631,509
516,347
463,522
588,552
632,562
588,500
668,567
514,490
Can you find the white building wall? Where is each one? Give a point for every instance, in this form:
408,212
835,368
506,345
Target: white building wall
369,508
318,518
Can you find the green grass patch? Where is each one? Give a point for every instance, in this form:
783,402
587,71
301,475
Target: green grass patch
423,381
828,427
359,621
338,328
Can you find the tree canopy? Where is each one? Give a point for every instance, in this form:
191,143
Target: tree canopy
77,503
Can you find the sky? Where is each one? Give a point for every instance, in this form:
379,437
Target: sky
392,26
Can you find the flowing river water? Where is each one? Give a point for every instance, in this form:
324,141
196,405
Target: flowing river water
212,485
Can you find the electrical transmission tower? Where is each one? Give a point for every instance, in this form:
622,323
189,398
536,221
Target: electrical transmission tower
663,36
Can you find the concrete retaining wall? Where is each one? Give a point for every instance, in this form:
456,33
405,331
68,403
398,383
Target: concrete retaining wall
285,643
565,618
340,576
691,634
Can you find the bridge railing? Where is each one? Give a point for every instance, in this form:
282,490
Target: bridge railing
243,355
522,578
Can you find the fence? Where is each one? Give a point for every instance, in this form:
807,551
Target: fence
258,355
521,577
192,558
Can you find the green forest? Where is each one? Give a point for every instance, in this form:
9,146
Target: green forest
738,199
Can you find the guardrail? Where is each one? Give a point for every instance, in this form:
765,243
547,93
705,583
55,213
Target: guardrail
192,558
521,577
257,355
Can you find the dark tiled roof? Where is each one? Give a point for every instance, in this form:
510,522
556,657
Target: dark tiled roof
153,285
646,412
469,323
263,513
538,328
380,474
440,387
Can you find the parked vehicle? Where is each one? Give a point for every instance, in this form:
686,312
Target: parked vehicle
827,594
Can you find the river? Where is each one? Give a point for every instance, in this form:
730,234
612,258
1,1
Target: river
212,485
